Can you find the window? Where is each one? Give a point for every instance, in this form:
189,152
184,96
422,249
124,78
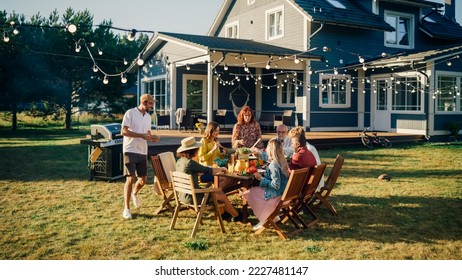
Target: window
286,92
275,23
403,36
447,94
250,2
336,4
195,93
158,90
232,30
406,94
335,91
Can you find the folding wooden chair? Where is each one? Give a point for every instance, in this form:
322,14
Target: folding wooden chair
321,197
183,183
286,205
162,186
308,192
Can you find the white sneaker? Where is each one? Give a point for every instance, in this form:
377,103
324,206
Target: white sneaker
136,200
126,214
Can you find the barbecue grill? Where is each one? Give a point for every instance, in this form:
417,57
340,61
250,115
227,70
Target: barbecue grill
105,157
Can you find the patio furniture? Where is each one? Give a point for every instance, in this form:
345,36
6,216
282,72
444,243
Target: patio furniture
183,183
162,185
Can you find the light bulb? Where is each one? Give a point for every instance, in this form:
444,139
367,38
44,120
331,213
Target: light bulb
131,35
296,60
140,61
6,39
71,28
125,62
361,59
188,67
95,69
123,79
100,52
77,48
105,80
449,63
364,67
225,67
15,31
268,66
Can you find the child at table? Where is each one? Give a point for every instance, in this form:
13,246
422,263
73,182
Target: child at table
264,198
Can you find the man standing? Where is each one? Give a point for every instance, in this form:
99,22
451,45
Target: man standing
136,129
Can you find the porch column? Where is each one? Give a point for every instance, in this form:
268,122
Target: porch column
306,98
209,92
172,95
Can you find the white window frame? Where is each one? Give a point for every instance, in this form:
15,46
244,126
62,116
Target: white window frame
329,87
268,14
250,2
234,24
457,103
420,84
411,33
156,95
286,83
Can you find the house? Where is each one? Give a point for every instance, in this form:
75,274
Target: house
339,65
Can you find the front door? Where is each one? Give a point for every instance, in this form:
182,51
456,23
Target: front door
381,106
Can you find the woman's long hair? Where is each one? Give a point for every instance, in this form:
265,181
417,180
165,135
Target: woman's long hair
209,129
276,153
244,111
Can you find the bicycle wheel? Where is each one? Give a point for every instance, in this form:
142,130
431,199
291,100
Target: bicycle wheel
367,141
385,142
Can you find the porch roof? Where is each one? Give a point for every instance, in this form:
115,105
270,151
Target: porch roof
399,59
354,14
440,27
232,45
210,45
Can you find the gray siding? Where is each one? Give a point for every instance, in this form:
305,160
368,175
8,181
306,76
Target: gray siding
252,23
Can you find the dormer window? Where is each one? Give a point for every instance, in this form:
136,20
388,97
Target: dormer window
403,36
275,23
336,4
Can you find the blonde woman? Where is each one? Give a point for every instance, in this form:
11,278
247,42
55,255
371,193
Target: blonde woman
209,151
264,198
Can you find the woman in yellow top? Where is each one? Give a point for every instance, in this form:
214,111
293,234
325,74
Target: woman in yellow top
210,149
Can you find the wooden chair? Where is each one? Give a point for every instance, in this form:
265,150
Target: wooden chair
183,183
321,197
162,185
286,205
308,192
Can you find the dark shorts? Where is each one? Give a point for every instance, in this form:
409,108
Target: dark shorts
135,164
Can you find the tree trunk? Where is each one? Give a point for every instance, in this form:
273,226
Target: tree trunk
14,120
68,115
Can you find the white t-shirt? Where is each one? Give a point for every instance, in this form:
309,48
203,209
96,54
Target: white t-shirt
139,123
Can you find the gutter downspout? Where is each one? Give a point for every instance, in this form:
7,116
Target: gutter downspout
319,29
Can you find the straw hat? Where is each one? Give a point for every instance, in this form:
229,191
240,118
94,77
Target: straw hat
188,143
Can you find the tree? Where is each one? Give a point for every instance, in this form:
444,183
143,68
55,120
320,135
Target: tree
46,63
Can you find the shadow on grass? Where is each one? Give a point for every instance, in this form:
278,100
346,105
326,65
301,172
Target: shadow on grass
389,220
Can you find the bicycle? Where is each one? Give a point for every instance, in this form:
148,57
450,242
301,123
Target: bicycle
371,140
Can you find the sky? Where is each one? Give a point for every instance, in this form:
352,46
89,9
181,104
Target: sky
181,16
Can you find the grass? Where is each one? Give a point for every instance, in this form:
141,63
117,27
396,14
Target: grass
50,210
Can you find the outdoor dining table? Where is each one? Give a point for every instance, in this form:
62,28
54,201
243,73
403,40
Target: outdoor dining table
245,181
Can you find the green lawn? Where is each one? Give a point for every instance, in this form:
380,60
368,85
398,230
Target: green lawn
50,210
